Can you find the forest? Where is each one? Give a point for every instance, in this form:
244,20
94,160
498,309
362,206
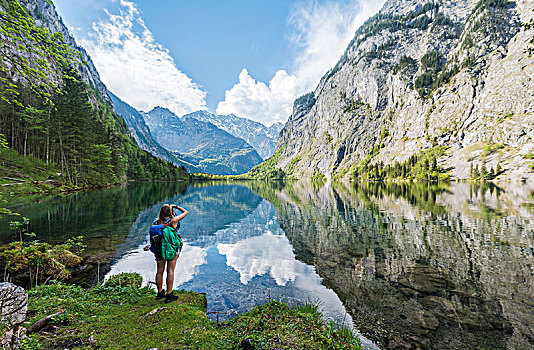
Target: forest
48,112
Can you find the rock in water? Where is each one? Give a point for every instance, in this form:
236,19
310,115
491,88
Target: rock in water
13,308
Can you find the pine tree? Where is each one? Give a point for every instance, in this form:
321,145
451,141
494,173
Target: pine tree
476,173
483,173
491,174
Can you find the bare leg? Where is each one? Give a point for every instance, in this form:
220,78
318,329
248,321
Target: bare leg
159,274
171,265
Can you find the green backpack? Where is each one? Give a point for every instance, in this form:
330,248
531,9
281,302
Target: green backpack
171,243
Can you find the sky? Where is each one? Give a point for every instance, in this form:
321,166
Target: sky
242,57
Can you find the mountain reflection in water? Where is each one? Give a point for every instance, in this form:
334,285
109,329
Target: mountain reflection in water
238,264
441,267
414,265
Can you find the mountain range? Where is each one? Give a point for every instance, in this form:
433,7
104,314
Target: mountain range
142,135
200,143
428,87
259,136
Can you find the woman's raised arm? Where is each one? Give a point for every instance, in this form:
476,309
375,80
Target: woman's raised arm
178,217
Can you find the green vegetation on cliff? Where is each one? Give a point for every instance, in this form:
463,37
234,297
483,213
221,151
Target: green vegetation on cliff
421,166
48,112
530,26
268,169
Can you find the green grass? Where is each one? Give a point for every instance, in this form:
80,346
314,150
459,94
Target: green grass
117,318
21,174
490,149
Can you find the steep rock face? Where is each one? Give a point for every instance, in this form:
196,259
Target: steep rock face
45,15
38,60
202,144
418,75
140,131
259,136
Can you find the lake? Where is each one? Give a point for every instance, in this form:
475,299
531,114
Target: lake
440,266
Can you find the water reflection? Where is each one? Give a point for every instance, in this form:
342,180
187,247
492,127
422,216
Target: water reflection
240,264
104,218
418,265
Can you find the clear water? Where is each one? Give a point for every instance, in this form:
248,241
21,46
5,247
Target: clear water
441,267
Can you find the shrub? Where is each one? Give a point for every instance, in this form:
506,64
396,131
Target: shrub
432,60
405,62
29,263
133,280
304,102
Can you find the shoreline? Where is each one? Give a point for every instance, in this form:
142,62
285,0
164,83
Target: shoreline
87,319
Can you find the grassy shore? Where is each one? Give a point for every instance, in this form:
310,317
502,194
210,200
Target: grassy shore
124,316
22,175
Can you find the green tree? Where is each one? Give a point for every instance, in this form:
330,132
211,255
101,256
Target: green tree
483,173
476,173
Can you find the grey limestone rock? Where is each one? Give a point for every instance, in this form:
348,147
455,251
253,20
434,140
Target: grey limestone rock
13,308
201,143
432,73
259,136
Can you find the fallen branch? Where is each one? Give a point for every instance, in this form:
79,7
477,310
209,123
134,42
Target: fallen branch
42,323
13,183
154,311
12,178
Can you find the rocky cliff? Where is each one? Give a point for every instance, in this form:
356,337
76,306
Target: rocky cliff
201,143
142,135
56,108
259,136
420,75
45,15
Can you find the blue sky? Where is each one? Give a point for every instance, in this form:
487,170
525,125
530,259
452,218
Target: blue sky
250,58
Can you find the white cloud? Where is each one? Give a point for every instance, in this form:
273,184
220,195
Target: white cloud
263,254
136,68
255,100
141,262
322,31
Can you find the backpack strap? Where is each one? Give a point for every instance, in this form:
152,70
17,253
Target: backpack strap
167,222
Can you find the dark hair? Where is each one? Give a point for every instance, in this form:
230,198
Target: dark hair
165,213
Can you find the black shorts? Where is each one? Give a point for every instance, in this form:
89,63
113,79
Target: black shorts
158,256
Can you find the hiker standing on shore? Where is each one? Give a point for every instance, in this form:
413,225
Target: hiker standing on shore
166,245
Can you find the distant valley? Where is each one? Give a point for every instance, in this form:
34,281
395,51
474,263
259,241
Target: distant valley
200,141
202,144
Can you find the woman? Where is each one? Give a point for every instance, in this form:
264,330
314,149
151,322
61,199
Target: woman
166,216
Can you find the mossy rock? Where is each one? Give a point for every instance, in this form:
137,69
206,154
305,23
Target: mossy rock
35,262
126,279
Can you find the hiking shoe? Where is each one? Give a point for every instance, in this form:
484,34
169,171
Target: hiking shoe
160,295
170,297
